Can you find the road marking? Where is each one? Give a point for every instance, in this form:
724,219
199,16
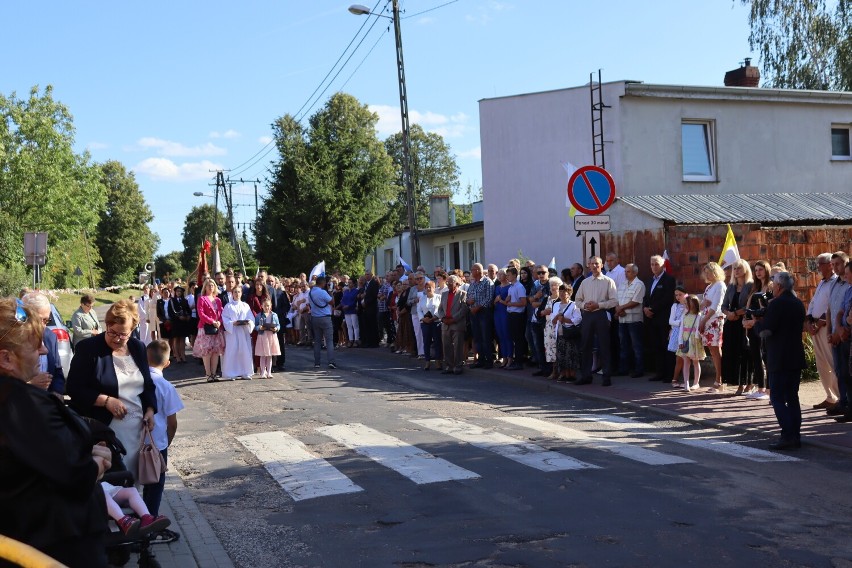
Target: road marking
300,473
506,446
710,443
618,447
417,465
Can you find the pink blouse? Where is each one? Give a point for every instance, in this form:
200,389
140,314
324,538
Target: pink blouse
208,310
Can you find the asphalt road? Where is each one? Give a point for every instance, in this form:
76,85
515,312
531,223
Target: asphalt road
380,464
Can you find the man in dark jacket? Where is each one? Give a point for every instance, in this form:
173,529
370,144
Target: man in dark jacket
659,297
370,328
281,303
781,329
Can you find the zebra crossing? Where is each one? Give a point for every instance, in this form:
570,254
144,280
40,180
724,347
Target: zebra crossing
303,474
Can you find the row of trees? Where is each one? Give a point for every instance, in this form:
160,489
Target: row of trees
95,215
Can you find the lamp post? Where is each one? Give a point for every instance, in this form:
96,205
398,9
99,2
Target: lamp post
360,10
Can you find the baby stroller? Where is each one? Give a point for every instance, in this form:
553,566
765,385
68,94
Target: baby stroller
119,546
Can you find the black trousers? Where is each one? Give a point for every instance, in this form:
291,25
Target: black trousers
386,326
595,325
659,343
370,327
517,329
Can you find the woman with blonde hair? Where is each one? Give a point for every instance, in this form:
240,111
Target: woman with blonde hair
735,360
710,325
210,343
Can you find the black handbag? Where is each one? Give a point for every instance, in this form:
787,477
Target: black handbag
571,332
210,329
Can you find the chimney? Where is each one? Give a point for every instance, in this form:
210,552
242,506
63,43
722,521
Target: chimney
745,76
439,211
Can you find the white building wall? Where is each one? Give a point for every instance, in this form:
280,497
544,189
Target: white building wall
525,140
762,146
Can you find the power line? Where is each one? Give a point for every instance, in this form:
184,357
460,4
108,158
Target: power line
268,146
430,9
378,39
319,96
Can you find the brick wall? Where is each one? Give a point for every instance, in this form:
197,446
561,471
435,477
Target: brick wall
690,247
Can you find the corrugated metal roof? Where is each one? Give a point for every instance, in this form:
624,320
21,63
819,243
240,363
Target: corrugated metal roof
739,208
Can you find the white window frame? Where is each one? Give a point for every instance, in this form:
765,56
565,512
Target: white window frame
710,130
848,129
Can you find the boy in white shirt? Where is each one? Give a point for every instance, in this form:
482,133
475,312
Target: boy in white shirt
165,426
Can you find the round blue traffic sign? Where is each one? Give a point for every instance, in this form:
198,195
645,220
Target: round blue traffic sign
591,190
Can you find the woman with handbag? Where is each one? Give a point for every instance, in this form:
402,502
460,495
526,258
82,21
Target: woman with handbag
566,319
210,344
545,309
110,380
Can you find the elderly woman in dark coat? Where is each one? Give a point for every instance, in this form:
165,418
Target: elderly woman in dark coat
49,468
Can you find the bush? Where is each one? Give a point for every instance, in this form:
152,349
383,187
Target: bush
12,278
809,373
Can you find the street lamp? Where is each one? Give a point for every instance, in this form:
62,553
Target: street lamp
361,10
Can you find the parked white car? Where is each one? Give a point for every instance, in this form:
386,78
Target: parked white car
63,336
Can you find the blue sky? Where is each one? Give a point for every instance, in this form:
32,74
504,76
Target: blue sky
175,89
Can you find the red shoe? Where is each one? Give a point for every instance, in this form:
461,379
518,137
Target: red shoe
128,525
151,524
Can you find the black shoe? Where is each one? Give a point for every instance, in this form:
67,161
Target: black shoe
783,444
637,375
579,382
486,366
835,410
514,367
594,371
843,419
477,365
446,372
539,374
607,382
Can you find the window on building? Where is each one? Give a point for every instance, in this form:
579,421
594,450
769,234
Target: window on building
698,150
390,261
441,256
840,147
471,253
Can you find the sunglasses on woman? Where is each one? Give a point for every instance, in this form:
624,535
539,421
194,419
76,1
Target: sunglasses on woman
20,317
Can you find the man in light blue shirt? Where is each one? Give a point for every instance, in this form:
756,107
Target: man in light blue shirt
319,301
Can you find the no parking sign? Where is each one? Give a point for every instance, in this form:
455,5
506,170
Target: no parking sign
591,190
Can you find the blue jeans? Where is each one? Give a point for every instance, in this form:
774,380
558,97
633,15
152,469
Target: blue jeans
321,326
784,396
432,339
152,494
630,340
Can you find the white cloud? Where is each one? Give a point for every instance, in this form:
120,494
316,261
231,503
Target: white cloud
227,134
165,169
97,146
475,153
169,148
426,20
484,14
265,139
452,126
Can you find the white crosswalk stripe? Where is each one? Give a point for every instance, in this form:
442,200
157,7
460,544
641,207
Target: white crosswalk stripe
615,446
709,442
417,465
517,450
300,473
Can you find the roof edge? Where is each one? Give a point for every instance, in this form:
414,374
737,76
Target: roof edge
736,93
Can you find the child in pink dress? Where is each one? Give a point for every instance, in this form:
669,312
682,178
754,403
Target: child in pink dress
267,325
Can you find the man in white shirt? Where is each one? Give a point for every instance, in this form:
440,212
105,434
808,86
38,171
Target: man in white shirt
516,305
816,325
631,293
597,294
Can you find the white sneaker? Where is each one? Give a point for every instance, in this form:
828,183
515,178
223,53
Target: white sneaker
759,396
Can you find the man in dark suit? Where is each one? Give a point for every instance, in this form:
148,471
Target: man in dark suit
577,277
370,329
781,329
281,308
657,305
453,315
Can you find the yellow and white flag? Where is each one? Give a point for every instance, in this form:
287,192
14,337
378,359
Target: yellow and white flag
730,252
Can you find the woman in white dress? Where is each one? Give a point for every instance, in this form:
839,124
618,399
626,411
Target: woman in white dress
237,362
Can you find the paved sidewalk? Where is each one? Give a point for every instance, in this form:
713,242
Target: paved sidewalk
198,545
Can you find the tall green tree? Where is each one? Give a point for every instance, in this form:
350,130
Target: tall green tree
803,44
44,184
124,240
170,264
433,171
330,190
199,227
